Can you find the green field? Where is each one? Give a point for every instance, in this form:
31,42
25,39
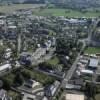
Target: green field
11,8
64,12
44,79
48,11
53,61
92,50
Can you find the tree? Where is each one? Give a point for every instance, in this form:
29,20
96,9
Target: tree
27,75
91,90
65,45
7,83
19,79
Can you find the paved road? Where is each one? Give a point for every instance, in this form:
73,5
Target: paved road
69,74
72,69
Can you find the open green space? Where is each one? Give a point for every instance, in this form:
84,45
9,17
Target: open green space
10,79
48,11
44,79
53,61
92,50
11,8
64,12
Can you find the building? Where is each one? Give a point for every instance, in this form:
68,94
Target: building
31,83
3,95
28,96
51,90
32,87
71,96
87,72
5,67
93,64
25,58
72,87
8,53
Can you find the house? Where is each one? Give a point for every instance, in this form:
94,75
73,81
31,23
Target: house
5,67
72,87
84,61
33,87
2,22
31,83
51,90
45,98
87,72
3,95
25,58
27,96
78,81
8,53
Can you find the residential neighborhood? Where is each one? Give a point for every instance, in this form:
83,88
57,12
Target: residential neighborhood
49,57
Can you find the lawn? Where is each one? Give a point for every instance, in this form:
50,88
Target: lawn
44,79
9,78
53,61
92,50
64,12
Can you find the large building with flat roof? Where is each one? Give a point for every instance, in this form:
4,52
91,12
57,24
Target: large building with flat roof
70,96
93,63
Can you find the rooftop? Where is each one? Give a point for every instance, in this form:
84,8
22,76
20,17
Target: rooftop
93,62
74,97
2,93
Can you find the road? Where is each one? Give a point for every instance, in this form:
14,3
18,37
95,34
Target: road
69,74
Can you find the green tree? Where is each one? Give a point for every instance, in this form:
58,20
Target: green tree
91,90
19,79
27,75
7,83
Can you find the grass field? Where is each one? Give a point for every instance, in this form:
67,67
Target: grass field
53,61
47,12
44,79
64,12
11,8
92,50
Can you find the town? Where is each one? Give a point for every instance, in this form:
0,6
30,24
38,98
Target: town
49,57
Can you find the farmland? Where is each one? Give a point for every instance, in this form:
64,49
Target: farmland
11,8
64,12
48,11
